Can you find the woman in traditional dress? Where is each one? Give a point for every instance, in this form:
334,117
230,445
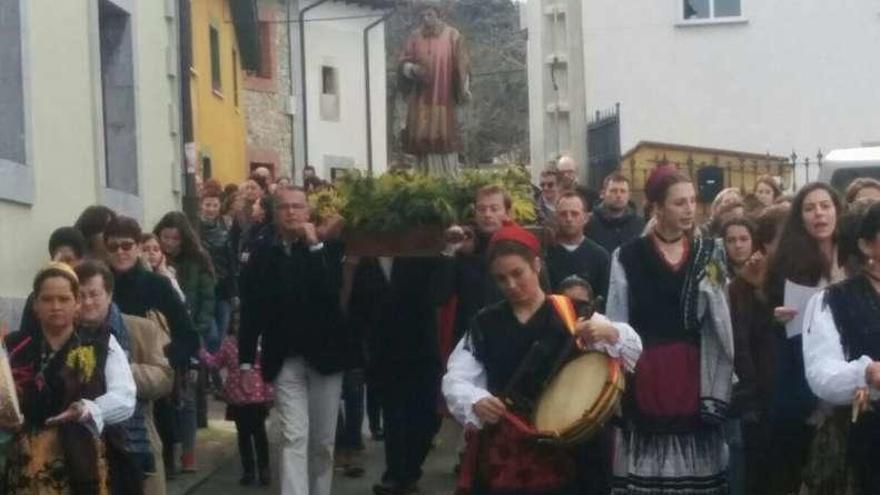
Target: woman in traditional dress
807,255
62,378
841,346
668,285
497,343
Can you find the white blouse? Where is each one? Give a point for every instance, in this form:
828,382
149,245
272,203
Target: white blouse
118,403
465,382
833,377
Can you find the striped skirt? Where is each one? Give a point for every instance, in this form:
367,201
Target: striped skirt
692,463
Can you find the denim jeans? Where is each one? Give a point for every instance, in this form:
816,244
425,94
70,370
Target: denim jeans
186,412
222,317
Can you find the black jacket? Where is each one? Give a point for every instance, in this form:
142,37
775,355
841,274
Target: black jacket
138,291
611,232
217,241
466,275
290,297
589,261
398,317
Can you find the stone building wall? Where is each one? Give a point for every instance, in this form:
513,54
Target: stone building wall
266,94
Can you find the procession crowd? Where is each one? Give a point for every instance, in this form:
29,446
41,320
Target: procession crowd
734,385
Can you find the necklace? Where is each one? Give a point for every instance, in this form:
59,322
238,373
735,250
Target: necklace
665,240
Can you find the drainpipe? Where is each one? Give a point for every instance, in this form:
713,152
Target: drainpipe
367,87
292,116
184,29
302,64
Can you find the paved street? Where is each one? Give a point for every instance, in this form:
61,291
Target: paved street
438,478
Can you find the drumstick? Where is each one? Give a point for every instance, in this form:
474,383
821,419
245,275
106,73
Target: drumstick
860,404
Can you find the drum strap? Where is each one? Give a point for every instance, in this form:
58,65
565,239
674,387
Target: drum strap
565,309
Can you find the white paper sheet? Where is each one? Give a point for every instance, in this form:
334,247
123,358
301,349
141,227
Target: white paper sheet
797,296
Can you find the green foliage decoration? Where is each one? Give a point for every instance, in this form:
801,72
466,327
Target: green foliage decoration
400,200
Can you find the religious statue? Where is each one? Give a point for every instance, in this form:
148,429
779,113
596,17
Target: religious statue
434,75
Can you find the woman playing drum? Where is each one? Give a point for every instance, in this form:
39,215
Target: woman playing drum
500,339
670,288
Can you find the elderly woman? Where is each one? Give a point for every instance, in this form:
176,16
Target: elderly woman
70,385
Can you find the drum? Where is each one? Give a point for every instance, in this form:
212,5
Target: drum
580,399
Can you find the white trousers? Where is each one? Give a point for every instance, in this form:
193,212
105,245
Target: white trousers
308,406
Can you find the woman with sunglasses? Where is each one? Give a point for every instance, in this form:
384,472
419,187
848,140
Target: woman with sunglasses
140,292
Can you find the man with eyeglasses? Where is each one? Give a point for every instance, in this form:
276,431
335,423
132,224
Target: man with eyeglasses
549,182
290,297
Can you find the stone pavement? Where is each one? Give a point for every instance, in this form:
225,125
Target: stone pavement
437,480
215,447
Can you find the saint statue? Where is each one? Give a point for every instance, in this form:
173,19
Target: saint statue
434,75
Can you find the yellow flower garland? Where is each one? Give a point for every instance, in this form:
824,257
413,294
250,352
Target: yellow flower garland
83,361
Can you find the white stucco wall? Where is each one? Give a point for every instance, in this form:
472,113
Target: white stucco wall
64,138
338,42
795,75
549,38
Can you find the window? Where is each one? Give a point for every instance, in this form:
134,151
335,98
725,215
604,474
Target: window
266,42
329,93
12,145
235,77
216,79
328,80
16,178
117,89
711,9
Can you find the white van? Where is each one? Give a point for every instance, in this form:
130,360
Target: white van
843,166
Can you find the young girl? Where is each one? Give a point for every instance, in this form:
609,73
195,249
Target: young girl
154,258
248,398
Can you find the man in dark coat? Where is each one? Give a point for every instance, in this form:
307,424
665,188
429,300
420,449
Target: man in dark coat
290,295
573,253
396,311
615,222
464,271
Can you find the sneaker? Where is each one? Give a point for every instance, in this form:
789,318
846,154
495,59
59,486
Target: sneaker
188,462
247,479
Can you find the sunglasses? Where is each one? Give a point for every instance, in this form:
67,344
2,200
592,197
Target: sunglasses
126,246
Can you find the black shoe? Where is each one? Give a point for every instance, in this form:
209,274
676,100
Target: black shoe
247,479
265,477
388,488
354,472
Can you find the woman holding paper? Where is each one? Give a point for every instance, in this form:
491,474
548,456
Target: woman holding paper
841,353
805,260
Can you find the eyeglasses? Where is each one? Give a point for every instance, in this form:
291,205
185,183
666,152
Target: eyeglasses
548,185
290,206
126,246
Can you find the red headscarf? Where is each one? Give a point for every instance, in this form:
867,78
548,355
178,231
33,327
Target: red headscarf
513,232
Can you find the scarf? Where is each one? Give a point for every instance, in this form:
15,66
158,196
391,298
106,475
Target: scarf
705,311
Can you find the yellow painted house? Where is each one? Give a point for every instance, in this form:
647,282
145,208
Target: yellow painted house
223,44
